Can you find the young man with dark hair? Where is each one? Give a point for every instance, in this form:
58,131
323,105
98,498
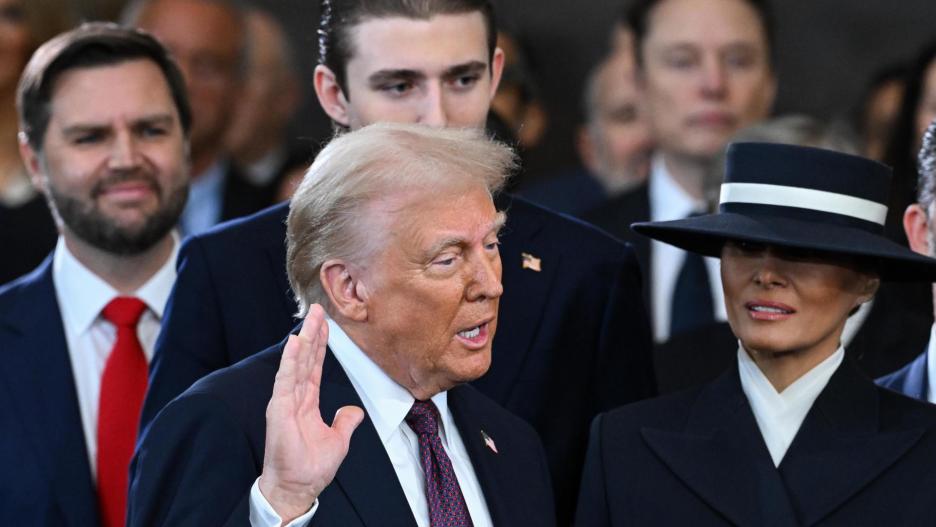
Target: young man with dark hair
573,335
104,124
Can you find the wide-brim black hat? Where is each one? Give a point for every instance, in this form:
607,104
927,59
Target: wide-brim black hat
802,198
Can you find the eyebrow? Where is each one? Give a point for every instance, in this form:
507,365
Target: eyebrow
381,77
79,128
468,68
455,241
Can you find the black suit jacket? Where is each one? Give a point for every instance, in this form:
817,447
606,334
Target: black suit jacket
241,197
572,339
863,456
199,458
47,477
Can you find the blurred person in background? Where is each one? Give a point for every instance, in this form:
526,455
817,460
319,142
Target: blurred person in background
613,143
257,137
917,111
877,110
27,231
208,40
705,71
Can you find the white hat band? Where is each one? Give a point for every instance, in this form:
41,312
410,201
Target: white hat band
804,198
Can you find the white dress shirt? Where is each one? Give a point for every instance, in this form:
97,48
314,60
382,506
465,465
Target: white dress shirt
668,201
387,404
780,415
931,366
81,296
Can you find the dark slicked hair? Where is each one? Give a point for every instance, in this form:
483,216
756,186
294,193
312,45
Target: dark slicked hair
637,18
340,16
90,45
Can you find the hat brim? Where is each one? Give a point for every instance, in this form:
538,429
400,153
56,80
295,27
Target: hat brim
707,235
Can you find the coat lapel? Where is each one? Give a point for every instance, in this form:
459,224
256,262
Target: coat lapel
839,449
721,456
526,292
487,463
38,371
367,466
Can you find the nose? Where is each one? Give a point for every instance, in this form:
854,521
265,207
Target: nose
769,272
433,107
486,279
124,154
714,81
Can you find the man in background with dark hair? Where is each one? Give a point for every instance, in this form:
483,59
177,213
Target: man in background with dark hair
573,335
104,124
208,39
705,71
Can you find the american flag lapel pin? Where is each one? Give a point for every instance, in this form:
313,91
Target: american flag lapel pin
531,262
488,442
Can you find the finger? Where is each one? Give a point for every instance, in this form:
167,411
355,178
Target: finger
347,419
285,381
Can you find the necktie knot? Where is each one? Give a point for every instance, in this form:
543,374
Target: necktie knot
423,418
124,311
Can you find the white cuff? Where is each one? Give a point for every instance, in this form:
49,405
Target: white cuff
263,515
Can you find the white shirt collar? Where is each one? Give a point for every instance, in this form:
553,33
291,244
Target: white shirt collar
931,366
385,401
780,415
668,201
82,294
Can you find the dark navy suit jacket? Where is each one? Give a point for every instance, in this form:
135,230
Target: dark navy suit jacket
572,339
912,380
47,477
197,461
863,456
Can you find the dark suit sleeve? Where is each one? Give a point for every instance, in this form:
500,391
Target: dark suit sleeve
593,500
194,466
191,343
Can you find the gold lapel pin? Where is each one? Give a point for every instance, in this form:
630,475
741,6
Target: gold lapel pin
531,262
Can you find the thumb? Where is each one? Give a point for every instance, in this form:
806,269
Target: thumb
347,419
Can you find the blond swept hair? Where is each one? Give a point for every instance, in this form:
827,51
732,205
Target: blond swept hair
327,212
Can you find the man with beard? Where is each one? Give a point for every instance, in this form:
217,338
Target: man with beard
104,124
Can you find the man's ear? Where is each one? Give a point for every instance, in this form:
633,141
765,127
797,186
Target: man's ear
348,295
330,95
32,162
916,225
497,69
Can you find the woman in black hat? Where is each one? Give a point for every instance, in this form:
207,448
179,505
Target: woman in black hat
793,434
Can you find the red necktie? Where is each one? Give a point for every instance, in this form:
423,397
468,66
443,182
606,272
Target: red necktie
122,388
447,507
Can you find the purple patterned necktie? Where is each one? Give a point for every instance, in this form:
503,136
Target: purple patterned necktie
447,506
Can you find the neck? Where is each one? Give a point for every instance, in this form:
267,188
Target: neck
126,274
784,368
688,172
420,389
